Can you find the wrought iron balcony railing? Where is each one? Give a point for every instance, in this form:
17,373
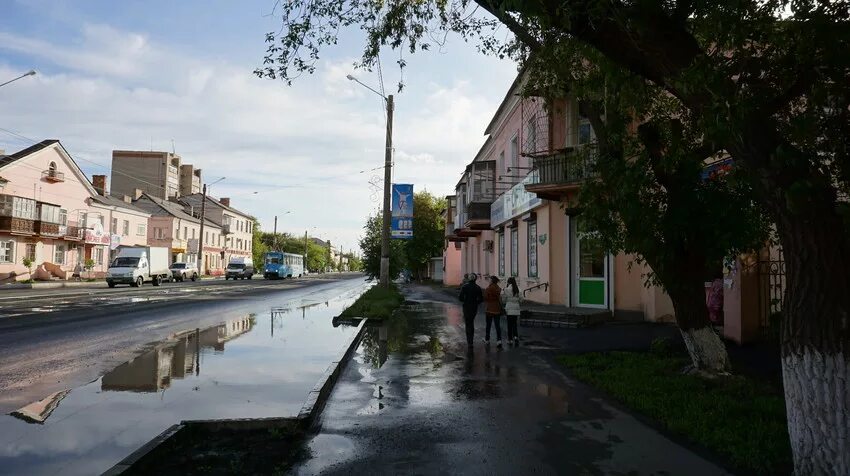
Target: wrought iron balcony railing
568,167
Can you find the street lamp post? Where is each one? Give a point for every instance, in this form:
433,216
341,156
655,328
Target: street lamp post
385,229
28,73
203,219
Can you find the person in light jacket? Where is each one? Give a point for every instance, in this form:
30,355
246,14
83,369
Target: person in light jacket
512,301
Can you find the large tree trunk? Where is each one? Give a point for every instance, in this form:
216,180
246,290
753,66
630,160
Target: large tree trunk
705,347
816,342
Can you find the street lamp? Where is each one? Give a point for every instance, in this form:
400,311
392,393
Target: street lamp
385,230
203,219
28,73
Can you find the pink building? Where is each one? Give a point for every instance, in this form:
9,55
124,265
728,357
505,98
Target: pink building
513,213
51,214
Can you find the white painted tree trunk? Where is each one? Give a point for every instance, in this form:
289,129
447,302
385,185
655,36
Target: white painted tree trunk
817,401
706,349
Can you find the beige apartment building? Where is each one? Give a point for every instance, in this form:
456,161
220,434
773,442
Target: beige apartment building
160,174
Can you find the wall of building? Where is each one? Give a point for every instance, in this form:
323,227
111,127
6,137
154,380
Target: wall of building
452,274
142,170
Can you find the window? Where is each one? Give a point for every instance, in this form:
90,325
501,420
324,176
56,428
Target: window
193,233
514,251
185,232
7,251
585,131
114,228
513,160
52,167
63,216
501,165
158,232
532,249
141,229
206,237
501,253
531,135
126,228
98,255
29,251
59,254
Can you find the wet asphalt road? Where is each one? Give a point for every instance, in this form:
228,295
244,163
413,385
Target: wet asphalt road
56,339
412,401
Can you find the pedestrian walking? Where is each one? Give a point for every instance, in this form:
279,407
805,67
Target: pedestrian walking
471,297
76,275
512,303
493,310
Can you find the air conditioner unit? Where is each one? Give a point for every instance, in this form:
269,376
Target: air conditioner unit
488,245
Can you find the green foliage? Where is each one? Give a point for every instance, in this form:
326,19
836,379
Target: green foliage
88,264
428,231
370,246
28,263
661,347
376,303
258,247
739,418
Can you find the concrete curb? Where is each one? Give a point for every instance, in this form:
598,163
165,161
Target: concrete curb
306,419
317,397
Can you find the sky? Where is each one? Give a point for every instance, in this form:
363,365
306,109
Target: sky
154,74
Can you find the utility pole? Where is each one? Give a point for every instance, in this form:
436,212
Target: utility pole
388,164
274,234
305,249
201,237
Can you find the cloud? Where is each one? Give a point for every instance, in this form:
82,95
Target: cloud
307,148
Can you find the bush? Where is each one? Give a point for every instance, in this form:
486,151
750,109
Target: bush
376,303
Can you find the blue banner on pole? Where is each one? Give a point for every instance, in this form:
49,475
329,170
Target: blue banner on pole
402,211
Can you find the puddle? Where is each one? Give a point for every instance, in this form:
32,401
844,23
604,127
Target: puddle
252,365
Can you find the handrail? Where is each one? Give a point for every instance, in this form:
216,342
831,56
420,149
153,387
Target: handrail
541,285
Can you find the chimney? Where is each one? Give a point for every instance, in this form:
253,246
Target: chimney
128,199
137,193
224,201
99,183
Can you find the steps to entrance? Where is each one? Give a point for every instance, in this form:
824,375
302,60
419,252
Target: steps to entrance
557,316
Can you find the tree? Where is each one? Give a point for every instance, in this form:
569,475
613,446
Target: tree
370,245
28,263
428,232
765,80
259,247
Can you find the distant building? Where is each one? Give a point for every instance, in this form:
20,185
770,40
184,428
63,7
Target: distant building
236,226
160,174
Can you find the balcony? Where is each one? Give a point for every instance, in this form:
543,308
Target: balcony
226,229
72,232
477,216
53,176
563,172
17,226
47,229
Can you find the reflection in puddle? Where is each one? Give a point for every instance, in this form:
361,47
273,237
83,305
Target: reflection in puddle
260,364
154,370
38,412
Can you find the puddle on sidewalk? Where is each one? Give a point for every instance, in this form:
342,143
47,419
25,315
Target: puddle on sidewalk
253,365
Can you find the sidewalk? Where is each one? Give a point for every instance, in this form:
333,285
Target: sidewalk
413,402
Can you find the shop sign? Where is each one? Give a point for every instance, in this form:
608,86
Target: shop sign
96,235
514,202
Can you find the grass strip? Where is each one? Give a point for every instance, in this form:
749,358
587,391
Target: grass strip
376,303
739,418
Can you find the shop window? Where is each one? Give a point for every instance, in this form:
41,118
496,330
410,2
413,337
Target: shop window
514,251
502,253
532,250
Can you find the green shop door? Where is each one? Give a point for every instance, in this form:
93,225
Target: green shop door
590,268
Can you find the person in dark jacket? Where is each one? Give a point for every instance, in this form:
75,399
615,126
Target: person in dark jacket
471,297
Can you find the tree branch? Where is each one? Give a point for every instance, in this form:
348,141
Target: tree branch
521,32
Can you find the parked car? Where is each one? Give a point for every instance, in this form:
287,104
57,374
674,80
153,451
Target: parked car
183,271
239,270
